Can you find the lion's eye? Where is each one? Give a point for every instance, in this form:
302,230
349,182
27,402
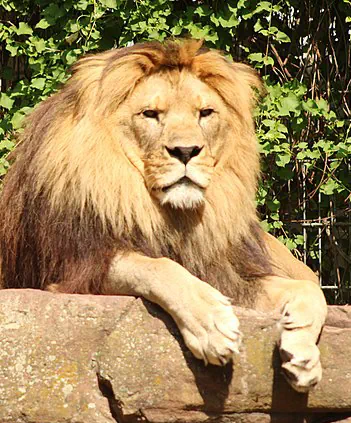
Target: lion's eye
152,114
206,112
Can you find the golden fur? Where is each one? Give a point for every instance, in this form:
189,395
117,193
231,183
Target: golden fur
82,165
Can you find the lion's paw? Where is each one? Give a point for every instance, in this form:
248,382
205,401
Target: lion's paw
301,365
211,329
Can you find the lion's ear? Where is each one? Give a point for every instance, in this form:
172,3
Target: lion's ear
102,81
238,84
84,85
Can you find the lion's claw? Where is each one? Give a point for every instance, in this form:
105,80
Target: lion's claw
211,330
301,365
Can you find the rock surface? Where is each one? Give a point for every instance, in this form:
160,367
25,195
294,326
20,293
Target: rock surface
96,359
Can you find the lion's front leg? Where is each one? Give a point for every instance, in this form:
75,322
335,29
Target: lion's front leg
204,316
304,310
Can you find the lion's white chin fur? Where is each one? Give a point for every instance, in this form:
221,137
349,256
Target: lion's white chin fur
182,196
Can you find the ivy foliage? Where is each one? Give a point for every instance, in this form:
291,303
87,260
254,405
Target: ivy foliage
301,49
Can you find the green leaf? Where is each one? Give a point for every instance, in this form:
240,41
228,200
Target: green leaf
111,4
282,128
274,216
268,61
302,145
24,29
311,107
269,122
301,155
282,37
263,6
3,166
339,123
322,105
242,3
265,225
289,104
82,5
71,57
54,11
13,49
290,244
329,187
43,24
38,83
314,154
73,26
231,22
255,57
282,160
198,31
299,239
7,145
177,30
273,205
72,38
18,117
258,26
5,101
17,120
203,10
39,44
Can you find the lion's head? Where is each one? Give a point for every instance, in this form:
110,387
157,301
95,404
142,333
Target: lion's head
155,142
176,114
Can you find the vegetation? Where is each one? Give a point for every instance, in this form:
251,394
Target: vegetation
300,47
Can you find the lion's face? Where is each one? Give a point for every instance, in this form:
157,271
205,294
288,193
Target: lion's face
179,126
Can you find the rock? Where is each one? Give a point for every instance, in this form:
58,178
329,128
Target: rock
84,359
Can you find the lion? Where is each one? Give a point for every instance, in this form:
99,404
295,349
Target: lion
139,178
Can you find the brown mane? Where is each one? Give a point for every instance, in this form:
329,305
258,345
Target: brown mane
71,200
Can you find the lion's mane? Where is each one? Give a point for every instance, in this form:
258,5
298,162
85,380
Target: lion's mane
72,200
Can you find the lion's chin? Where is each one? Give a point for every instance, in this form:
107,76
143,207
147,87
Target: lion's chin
182,196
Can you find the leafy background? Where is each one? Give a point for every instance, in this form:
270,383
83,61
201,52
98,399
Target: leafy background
300,47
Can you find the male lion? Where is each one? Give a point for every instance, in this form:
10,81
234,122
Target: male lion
139,178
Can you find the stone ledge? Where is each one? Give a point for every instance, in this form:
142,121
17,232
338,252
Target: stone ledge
95,359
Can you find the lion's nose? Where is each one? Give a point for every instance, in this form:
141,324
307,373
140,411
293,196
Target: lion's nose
184,154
